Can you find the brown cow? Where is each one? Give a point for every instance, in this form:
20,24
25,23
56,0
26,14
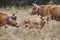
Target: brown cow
5,19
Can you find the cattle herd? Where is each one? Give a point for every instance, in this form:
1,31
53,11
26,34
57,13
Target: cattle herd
49,12
46,13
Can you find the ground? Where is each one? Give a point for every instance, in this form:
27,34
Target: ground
48,32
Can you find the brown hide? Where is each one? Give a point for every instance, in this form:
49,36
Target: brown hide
2,18
55,12
44,10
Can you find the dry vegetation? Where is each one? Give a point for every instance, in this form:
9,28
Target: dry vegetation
48,32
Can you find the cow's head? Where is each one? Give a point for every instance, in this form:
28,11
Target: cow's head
35,11
44,20
13,23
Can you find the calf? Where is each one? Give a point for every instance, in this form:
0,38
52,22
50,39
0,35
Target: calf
33,22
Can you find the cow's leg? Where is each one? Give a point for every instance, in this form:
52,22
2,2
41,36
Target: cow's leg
59,17
38,14
53,17
6,24
48,19
42,24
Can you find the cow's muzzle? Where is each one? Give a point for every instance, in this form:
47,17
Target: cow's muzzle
16,25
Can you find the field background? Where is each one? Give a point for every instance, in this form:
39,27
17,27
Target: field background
48,32
24,7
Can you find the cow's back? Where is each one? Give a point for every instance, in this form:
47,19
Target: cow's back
44,9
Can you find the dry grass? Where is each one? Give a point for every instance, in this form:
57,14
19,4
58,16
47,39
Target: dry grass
48,32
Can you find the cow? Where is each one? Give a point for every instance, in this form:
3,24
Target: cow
5,19
33,22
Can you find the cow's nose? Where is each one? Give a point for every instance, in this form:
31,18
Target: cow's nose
44,21
16,25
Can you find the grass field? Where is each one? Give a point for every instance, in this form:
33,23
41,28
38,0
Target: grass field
48,32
